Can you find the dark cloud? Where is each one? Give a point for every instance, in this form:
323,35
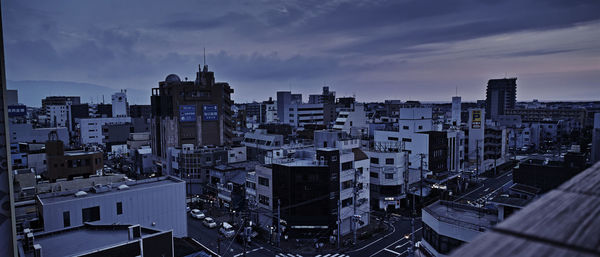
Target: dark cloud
390,45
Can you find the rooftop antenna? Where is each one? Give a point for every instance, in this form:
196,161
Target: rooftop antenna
456,90
204,56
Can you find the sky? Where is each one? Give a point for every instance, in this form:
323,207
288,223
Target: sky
373,49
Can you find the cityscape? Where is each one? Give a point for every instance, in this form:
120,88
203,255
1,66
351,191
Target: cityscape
277,146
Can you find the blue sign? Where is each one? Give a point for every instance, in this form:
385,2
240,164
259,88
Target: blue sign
17,110
187,113
210,112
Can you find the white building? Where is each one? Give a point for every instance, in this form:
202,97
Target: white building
301,114
353,121
91,129
271,113
155,203
387,178
456,109
22,132
456,150
448,225
59,115
120,107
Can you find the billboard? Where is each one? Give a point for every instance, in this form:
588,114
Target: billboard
187,113
210,112
476,119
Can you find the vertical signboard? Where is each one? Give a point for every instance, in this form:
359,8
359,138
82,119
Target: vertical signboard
210,112
476,119
187,113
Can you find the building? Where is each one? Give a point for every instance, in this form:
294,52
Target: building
352,121
191,112
91,129
98,240
595,157
456,150
61,164
301,114
501,94
156,202
456,111
140,111
448,225
22,132
102,110
120,107
59,115
137,140
259,142
548,174
388,179
284,100
142,160
545,114
271,111
59,100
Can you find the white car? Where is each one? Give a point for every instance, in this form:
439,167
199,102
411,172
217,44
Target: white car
197,214
227,230
209,222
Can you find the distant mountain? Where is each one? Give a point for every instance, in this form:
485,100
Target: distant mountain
31,92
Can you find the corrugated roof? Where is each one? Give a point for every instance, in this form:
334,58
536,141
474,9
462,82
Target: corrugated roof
563,222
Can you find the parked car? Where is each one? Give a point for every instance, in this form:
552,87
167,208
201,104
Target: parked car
227,230
197,214
187,209
209,222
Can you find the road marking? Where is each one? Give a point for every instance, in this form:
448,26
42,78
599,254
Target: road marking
469,193
394,243
327,255
247,252
487,189
335,255
394,252
401,245
393,230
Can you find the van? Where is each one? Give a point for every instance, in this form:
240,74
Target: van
227,230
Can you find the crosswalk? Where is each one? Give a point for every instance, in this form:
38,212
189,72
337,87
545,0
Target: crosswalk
320,255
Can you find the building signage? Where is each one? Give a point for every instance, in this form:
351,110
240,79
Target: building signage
187,113
210,112
476,119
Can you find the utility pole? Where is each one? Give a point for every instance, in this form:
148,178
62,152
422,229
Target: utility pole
278,222
422,155
355,217
339,223
406,189
477,168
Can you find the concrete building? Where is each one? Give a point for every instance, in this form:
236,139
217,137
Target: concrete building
91,129
12,97
456,111
137,140
595,157
301,114
388,177
284,100
99,240
140,111
23,132
59,115
352,121
501,94
259,142
448,225
156,203
142,160
61,164
120,107
271,111
456,150
191,112
59,100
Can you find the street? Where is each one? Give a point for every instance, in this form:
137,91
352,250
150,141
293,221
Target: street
488,188
393,243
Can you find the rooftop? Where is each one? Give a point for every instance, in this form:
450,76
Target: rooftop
83,239
50,198
563,222
462,215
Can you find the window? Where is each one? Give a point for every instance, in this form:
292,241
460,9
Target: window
263,181
119,208
406,139
405,127
90,214
263,199
420,127
374,160
374,175
347,165
392,139
347,202
389,175
346,184
66,219
389,161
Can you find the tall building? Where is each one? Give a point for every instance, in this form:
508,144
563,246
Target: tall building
284,100
456,110
120,107
59,100
475,139
191,112
501,95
